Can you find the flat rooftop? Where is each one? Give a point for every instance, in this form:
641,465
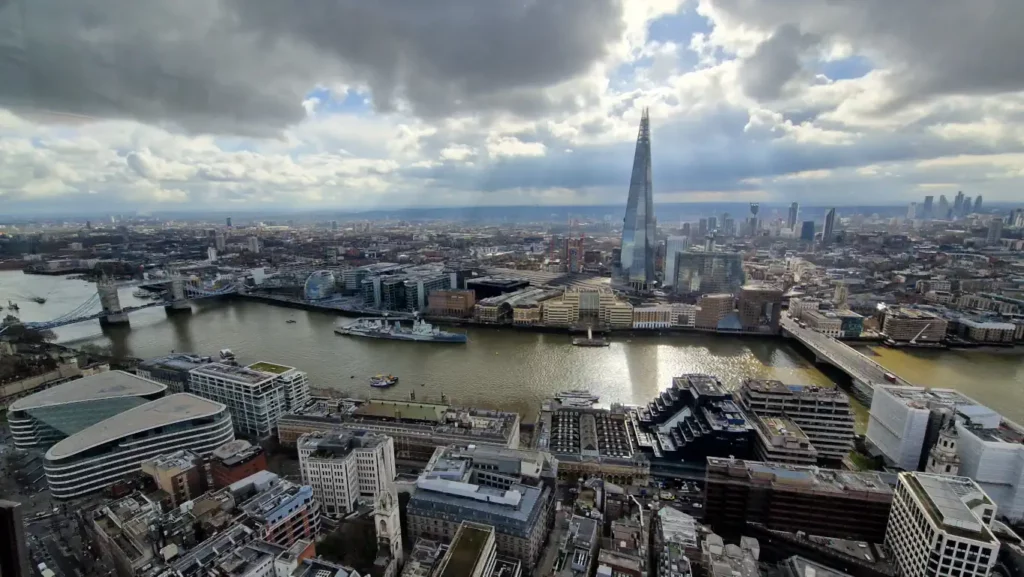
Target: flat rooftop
772,387
402,410
949,502
465,550
243,375
707,385
105,385
920,397
273,368
179,361
799,477
782,426
911,314
159,413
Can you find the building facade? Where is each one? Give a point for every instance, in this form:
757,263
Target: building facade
940,526
760,307
106,452
636,259
903,324
255,399
451,303
341,465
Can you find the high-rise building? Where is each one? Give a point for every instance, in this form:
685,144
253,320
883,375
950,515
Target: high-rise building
940,525
341,466
995,230
794,212
943,207
712,223
823,413
227,221
977,204
708,272
253,243
760,307
966,209
673,247
958,204
636,260
13,551
912,211
829,231
807,231
254,398
928,206
702,228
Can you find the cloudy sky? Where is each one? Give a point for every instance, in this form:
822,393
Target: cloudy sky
353,104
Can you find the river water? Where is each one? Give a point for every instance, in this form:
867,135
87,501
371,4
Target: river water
503,368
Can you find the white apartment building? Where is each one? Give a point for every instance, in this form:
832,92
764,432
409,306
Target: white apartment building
940,527
343,465
294,384
994,458
255,399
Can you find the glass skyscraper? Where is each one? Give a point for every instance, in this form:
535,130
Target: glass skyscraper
636,261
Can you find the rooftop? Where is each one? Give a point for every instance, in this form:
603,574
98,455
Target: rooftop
105,385
781,426
801,567
911,314
402,410
466,550
273,368
767,386
517,504
707,385
800,478
925,398
338,443
180,361
154,414
950,502
243,375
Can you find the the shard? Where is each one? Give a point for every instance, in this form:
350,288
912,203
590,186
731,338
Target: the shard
636,260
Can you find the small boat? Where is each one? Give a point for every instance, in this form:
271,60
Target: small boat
39,300
12,305
290,321
383,381
227,355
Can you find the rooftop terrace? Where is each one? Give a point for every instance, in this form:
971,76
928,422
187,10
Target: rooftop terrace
242,375
273,368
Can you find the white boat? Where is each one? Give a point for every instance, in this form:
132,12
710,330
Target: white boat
577,398
227,355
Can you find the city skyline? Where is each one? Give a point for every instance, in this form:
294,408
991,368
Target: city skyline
765,105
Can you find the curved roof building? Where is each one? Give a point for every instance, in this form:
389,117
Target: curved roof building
107,451
47,417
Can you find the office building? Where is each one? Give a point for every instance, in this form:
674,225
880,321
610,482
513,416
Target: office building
451,303
450,490
172,370
636,260
253,244
967,206
591,442
780,440
991,452
822,413
234,461
42,419
425,558
282,511
256,396
673,247
708,272
416,427
958,204
13,549
824,322
106,452
977,203
675,543
904,324
825,502
926,212
828,233
712,309
472,553
179,474
794,212
943,213
341,465
940,526
693,419
807,231
760,307
905,421
995,231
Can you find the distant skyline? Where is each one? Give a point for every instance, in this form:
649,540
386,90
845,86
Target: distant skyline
359,106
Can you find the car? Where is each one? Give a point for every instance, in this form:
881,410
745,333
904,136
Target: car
697,506
665,495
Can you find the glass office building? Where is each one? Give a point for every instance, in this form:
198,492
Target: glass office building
698,273
636,260
47,417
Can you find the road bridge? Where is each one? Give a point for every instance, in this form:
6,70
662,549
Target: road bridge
864,372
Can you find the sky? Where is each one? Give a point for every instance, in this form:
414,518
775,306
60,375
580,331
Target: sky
214,105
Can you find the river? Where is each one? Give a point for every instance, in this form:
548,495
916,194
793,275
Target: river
504,368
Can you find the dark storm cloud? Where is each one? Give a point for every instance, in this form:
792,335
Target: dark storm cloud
243,66
935,47
775,63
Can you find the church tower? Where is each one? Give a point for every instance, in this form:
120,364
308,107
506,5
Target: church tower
943,458
388,525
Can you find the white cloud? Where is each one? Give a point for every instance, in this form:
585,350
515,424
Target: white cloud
510,146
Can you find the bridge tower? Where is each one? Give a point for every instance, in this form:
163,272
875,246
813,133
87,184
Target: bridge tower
112,312
178,302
